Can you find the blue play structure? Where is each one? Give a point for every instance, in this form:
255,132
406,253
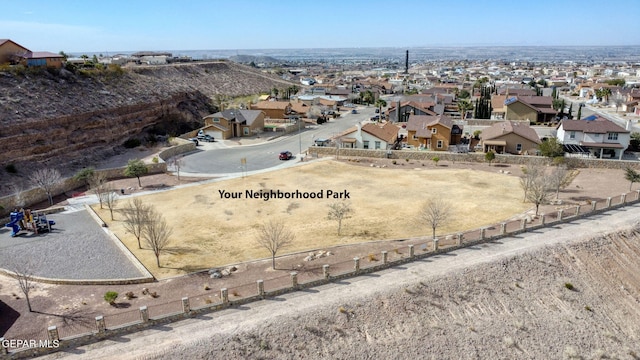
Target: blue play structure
25,220
14,224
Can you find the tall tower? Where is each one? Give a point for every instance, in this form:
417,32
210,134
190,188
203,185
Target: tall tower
406,63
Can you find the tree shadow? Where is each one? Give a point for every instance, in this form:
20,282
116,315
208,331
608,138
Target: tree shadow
8,318
77,318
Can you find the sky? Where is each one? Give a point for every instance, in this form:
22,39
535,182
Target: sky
136,25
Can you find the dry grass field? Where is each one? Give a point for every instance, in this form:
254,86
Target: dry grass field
211,231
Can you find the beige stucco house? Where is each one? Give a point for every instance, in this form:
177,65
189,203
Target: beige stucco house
511,137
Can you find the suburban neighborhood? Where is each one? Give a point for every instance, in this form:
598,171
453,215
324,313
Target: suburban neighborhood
334,169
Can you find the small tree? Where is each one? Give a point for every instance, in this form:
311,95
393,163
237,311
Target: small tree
340,210
552,147
538,192
631,175
109,198
490,156
24,275
136,214
46,179
98,185
435,213
136,168
84,175
579,116
177,162
110,297
530,174
274,236
156,233
435,160
559,178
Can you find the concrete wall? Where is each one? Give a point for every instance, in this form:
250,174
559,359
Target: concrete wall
473,157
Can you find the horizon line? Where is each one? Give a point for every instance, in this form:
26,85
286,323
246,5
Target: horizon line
378,47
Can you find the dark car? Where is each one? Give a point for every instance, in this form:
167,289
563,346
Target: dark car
285,155
375,117
354,111
208,138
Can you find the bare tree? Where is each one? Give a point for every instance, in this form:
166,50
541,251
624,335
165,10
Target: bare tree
46,179
109,198
98,185
539,191
435,213
274,236
559,178
177,163
156,233
529,175
24,274
339,211
136,214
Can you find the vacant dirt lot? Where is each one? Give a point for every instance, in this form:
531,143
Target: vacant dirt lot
210,230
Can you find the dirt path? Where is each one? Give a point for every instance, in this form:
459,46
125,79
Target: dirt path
269,328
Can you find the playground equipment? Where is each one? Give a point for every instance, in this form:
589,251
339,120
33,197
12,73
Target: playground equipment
30,221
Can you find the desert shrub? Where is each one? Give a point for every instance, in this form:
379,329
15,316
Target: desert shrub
131,143
394,162
110,297
569,286
155,160
11,169
130,295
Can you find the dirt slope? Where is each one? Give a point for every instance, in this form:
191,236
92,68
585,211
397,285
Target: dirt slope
505,300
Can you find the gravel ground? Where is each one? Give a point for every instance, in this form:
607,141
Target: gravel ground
77,248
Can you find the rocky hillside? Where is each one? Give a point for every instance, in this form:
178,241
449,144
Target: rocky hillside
68,120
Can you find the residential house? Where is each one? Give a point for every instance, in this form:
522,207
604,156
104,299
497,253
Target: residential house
274,109
511,137
509,91
432,132
13,53
497,107
406,110
531,108
44,58
234,123
369,136
596,134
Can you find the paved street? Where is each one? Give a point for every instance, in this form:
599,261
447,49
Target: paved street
223,158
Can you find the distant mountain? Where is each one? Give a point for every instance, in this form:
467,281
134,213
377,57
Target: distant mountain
256,59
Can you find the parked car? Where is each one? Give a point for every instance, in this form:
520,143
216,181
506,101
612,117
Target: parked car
377,110
194,140
285,155
208,138
375,118
354,111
